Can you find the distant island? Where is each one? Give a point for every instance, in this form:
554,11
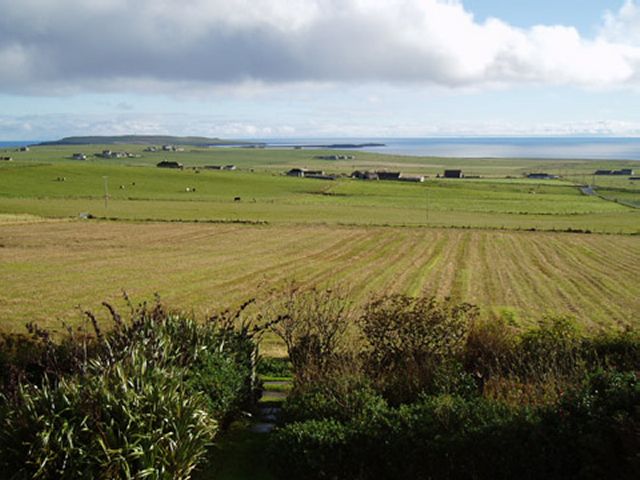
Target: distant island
316,146
354,145
146,140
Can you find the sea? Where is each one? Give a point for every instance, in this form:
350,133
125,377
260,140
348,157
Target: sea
18,143
587,148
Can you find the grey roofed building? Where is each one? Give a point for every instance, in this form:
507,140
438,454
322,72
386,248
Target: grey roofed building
170,164
453,174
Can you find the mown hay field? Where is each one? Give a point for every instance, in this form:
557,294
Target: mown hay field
50,270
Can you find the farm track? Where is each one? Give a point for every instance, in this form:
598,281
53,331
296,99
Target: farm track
199,267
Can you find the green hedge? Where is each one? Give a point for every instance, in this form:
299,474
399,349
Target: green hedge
592,433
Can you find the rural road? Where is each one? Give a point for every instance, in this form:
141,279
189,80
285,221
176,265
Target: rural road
588,190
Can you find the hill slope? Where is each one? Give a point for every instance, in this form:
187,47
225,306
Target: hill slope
144,140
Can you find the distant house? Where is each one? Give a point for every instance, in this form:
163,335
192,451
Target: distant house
297,172
622,171
364,175
334,157
79,156
383,175
542,176
112,154
170,164
453,174
172,148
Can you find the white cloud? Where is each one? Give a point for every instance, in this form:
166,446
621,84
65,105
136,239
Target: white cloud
123,45
623,26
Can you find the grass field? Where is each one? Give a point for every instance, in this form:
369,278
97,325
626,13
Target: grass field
139,191
49,268
202,249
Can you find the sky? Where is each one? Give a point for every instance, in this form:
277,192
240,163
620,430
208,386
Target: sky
319,68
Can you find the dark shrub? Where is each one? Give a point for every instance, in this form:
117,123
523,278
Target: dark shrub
620,350
316,449
312,324
408,338
360,403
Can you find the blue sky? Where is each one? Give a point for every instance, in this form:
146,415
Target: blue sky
327,68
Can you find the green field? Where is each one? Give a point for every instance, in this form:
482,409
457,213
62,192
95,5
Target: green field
500,199
500,241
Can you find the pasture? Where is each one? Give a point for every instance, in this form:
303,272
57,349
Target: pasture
137,190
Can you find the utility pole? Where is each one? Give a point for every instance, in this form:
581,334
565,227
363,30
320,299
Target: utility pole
427,204
106,191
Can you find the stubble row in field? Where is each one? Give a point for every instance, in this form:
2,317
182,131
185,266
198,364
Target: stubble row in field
48,269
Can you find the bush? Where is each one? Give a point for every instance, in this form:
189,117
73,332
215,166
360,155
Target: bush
316,449
225,383
312,324
408,338
358,404
130,419
592,434
140,401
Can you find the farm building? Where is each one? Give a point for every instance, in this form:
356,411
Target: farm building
542,176
622,171
172,148
296,172
364,175
388,175
303,172
453,174
112,154
334,157
170,164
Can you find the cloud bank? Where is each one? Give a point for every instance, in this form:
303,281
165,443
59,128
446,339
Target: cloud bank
49,47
